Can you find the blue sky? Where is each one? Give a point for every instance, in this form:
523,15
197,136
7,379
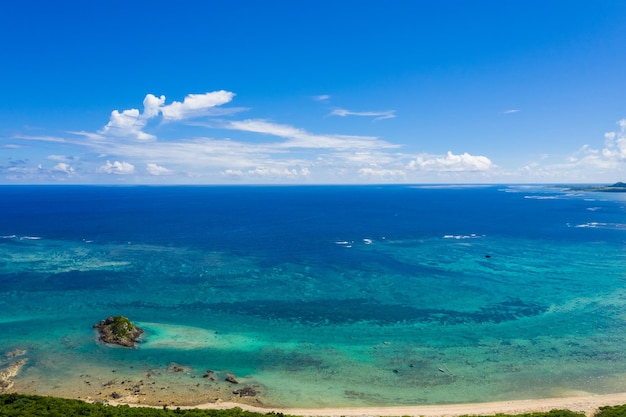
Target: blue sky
306,92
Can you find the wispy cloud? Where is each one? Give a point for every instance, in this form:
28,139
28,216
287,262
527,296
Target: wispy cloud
378,115
299,138
62,158
135,144
511,111
322,97
43,138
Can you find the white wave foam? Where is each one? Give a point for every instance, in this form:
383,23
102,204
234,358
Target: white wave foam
459,237
8,237
344,243
599,225
30,238
541,197
367,241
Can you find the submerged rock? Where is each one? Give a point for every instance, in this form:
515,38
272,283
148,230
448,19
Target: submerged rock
118,330
246,392
174,367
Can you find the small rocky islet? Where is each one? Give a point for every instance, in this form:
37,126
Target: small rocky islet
118,330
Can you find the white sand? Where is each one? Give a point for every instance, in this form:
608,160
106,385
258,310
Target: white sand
588,404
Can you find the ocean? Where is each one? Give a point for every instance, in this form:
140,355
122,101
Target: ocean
315,296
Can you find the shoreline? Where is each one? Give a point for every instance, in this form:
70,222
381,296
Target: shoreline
589,404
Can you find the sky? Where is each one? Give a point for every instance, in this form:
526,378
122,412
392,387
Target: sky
312,92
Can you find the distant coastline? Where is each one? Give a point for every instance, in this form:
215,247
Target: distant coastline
618,187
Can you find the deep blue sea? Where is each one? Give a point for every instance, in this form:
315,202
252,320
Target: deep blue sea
317,295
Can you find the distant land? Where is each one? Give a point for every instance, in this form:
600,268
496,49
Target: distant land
618,187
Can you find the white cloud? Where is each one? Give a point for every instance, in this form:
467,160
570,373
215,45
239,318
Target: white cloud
128,123
322,97
131,123
609,157
63,167
299,138
451,163
120,168
62,158
380,173
52,139
379,115
615,143
152,106
274,172
154,169
195,105
511,111
268,172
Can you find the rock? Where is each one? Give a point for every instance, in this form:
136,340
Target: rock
231,378
15,353
118,330
174,367
115,395
7,374
246,392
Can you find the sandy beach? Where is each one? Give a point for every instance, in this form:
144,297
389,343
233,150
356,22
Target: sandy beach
588,404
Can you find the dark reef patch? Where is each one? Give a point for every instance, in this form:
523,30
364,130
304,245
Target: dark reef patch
361,310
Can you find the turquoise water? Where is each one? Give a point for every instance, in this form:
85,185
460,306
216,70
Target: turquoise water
320,296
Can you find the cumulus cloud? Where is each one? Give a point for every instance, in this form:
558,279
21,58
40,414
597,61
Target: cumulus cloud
131,123
609,157
128,123
117,167
154,169
451,163
151,105
195,105
63,167
378,115
615,143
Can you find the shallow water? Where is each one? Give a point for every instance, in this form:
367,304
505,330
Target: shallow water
319,295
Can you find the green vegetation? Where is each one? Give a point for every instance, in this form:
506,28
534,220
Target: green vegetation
121,326
615,411
118,330
17,405
551,413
